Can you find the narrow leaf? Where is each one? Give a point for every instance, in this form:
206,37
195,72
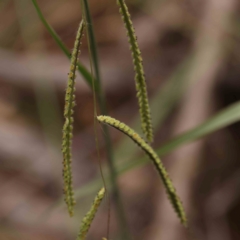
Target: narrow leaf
222,119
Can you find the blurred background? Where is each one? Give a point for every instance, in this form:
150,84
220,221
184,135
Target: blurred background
191,52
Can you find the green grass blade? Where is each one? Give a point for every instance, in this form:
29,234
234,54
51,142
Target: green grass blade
224,118
83,71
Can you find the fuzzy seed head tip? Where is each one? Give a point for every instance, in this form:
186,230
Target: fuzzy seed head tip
100,118
102,191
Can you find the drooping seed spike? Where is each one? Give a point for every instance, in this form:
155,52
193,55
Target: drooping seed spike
139,72
87,220
173,197
68,125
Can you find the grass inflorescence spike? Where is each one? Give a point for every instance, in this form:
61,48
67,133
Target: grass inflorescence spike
68,125
87,220
139,72
174,199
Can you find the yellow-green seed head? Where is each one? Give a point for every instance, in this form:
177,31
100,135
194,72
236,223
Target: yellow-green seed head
68,125
173,197
139,72
87,220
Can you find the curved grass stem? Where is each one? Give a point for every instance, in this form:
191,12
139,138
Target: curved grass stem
103,109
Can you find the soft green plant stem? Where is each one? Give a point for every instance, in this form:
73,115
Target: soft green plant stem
83,71
103,109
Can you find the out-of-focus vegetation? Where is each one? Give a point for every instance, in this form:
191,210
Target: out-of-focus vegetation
191,60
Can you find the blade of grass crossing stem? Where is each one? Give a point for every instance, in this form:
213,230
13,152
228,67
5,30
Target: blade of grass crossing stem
224,118
82,70
102,104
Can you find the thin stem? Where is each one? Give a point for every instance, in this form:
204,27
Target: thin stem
103,109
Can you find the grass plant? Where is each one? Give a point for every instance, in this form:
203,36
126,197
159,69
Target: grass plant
169,96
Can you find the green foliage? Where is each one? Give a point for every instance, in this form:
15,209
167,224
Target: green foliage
139,72
87,220
68,125
155,159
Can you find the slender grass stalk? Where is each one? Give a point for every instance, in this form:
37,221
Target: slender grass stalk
93,60
82,70
174,199
68,125
103,109
87,220
139,72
